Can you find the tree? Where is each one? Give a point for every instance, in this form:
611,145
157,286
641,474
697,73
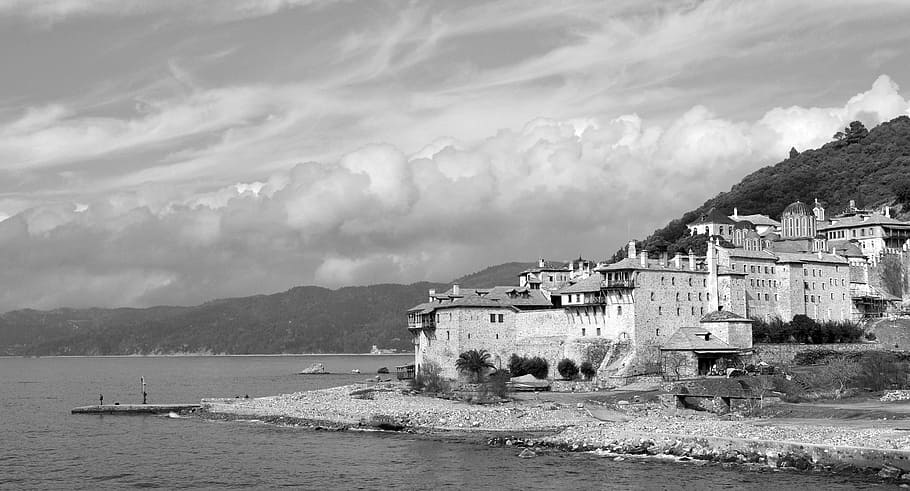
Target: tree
793,152
567,369
840,372
851,134
901,189
474,363
587,370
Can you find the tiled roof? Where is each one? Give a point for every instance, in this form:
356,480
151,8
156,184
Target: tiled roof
590,284
845,248
653,264
757,220
713,216
548,266
743,253
723,316
862,221
693,339
496,297
808,257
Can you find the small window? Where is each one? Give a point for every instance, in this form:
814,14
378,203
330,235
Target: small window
598,331
673,281
582,331
652,295
619,310
708,296
660,310
497,336
689,296
699,296
657,332
690,281
677,311
677,296
469,335
492,317
500,318
447,336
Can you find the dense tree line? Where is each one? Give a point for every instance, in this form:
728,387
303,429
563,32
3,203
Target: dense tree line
870,167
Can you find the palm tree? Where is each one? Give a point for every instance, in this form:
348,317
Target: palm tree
474,362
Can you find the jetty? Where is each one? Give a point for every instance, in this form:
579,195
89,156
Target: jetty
135,408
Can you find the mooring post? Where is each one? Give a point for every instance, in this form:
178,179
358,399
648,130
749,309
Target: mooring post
144,393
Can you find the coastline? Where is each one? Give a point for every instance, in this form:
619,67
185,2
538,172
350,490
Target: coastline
539,425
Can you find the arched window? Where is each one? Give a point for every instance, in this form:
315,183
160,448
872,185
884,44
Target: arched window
619,310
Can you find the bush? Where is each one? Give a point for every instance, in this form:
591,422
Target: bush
587,370
567,369
536,366
497,384
803,329
429,379
881,370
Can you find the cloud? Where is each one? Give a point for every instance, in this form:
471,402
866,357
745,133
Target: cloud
553,188
199,10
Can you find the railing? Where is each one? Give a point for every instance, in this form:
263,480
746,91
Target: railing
422,325
618,284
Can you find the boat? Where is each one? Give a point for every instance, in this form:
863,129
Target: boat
356,370
383,370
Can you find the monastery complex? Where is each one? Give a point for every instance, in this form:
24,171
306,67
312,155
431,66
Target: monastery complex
646,307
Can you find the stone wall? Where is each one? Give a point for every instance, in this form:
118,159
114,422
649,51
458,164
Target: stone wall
783,354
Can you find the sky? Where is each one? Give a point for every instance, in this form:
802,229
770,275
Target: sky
173,152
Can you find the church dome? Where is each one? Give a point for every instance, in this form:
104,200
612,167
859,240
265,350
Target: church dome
797,208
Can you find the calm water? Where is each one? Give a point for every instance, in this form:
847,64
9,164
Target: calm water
43,446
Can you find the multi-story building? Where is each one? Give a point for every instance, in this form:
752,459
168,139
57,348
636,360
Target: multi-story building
644,304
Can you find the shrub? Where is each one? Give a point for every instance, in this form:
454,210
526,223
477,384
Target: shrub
587,370
567,369
803,329
429,379
536,366
497,384
880,370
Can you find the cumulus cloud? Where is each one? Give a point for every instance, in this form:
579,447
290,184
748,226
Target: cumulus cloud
552,188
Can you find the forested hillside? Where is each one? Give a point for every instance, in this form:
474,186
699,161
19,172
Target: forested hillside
870,167
301,320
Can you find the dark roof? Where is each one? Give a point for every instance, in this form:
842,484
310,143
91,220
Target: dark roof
845,248
808,257
746,224
693,339
797,208
713,216
862,221
590,284
723,316
497,297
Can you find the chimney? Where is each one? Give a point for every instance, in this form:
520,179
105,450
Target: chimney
691,260
735,213
432,294
541,263
663,259
643,259
632,252
677,260
819,252
456,290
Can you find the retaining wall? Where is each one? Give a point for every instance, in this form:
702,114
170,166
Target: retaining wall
784,353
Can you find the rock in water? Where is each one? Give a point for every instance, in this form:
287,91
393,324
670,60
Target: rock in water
527,454
315,368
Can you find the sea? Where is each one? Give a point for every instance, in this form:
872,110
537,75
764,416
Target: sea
43,446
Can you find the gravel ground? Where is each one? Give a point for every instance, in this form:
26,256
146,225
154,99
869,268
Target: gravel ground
339,406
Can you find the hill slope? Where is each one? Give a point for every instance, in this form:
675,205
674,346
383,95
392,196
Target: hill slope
872,168
500,275
301,320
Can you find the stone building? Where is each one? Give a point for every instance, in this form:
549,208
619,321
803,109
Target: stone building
650,306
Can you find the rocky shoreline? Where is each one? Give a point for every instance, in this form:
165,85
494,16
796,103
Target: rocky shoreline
884,452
